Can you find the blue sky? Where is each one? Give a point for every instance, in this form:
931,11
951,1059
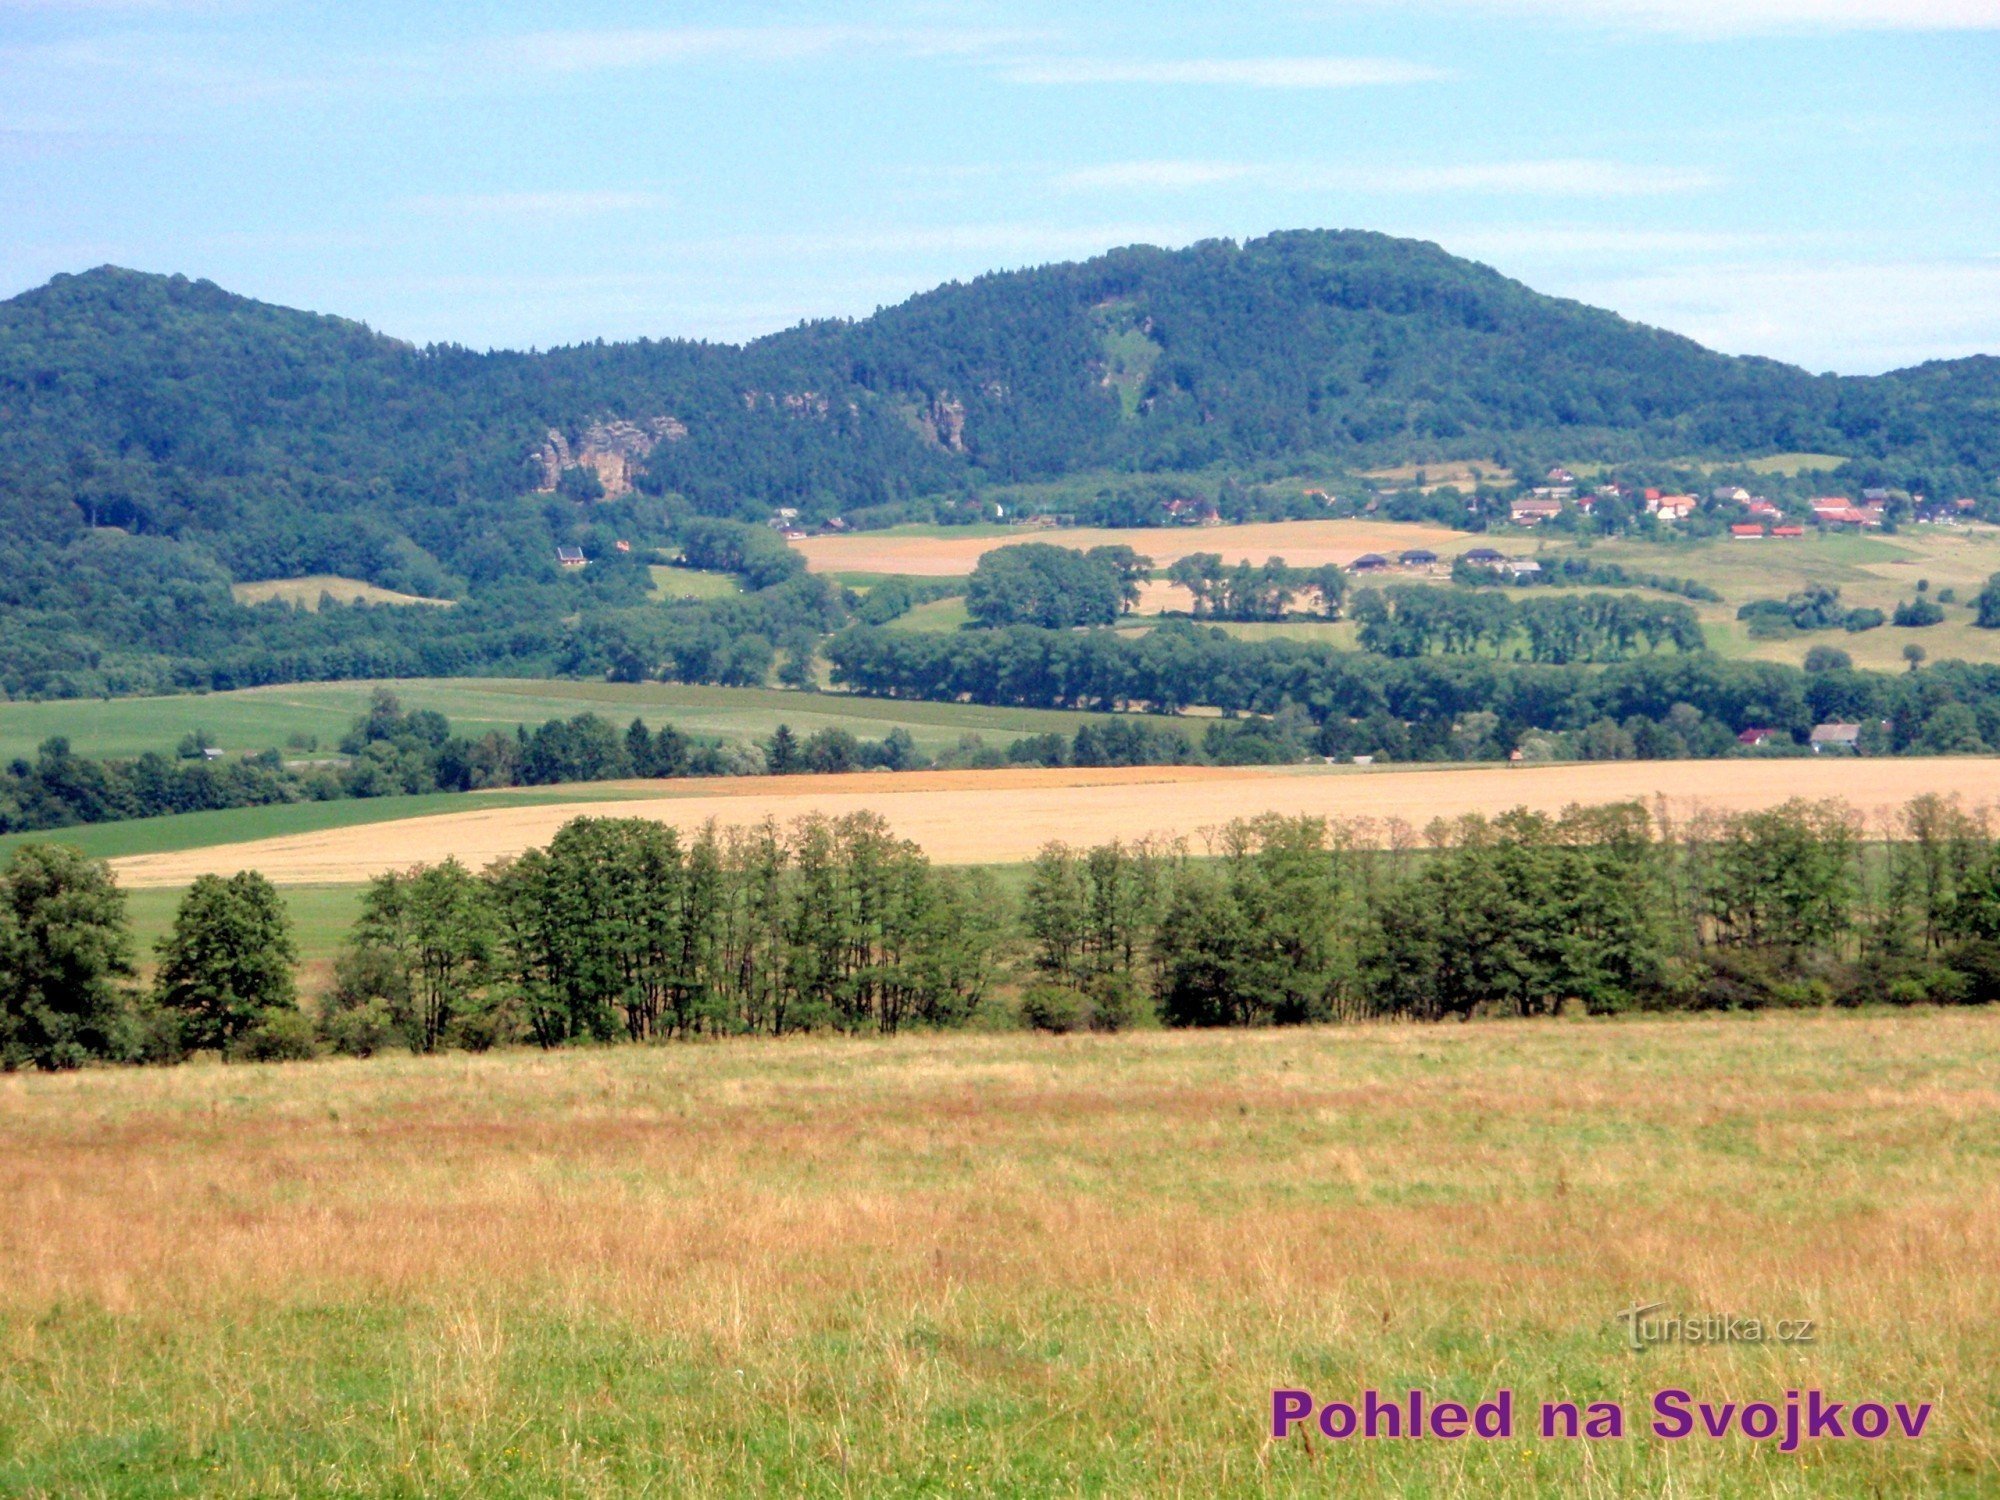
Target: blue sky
1817,180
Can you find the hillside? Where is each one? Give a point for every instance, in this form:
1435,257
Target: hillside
162,440
289,443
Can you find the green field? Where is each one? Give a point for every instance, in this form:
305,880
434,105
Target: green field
1002,1265
205,830
673,582
321,916
308,592
939,614
258,718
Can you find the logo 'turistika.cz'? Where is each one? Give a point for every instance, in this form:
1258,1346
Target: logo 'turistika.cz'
1646,1325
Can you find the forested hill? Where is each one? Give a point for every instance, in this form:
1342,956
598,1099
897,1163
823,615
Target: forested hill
285,443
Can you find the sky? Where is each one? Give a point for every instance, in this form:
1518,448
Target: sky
1814,180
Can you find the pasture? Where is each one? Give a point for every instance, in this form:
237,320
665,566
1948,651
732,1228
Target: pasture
1000,1264
308,592
673,582
1005,816
258,718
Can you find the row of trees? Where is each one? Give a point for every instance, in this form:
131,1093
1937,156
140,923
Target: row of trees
1432,707
1408,619
622,929
1602,908
619,929
1255,591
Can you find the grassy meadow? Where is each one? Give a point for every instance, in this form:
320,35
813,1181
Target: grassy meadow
235,825
999,1264
259,718
307,592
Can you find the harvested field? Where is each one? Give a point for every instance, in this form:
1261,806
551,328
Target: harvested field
1303,544
999,817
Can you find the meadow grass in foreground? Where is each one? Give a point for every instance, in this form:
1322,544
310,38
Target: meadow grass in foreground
1003,1265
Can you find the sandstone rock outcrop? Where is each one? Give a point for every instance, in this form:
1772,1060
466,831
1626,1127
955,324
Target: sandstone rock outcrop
610,447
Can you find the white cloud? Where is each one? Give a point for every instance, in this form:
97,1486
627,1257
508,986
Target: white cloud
1242,72
1852,317
1557,178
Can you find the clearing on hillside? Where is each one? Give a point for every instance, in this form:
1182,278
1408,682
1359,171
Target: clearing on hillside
1002,817
309,591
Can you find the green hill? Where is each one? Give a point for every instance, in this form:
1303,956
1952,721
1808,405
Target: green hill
161,438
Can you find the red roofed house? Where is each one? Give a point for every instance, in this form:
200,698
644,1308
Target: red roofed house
1746,533
1755,737
1532,512
1788,532
1673,507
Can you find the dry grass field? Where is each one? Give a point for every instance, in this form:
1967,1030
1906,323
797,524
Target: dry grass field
1304,544
999,817
999,1264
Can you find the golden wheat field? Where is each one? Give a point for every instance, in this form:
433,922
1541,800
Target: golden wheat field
1004,816
1000,1264
1303,544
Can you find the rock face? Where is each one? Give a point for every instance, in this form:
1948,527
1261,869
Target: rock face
943,420
610,447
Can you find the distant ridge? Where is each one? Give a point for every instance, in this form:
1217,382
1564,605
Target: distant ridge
286,443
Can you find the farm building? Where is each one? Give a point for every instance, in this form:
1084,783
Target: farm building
1836,737
1534,512
571,557
1753,738
1485,557
1418,557
1788,532
1747,532
1368,562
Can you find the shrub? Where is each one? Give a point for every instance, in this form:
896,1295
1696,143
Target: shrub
279,1035
360,1030
1053,1007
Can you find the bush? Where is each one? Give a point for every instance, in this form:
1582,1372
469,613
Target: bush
1114,1002
1053,1007
360,1030
1858,620
1918,612
279,1035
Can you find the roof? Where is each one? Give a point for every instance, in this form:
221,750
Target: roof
1746,530
1756,736
1836,734
569,554
1419,554
1370,560
1485,554
1788,531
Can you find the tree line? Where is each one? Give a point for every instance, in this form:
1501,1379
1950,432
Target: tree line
1411,619
623,930
1434,707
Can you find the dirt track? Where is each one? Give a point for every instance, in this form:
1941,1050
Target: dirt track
1303,544
980,817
